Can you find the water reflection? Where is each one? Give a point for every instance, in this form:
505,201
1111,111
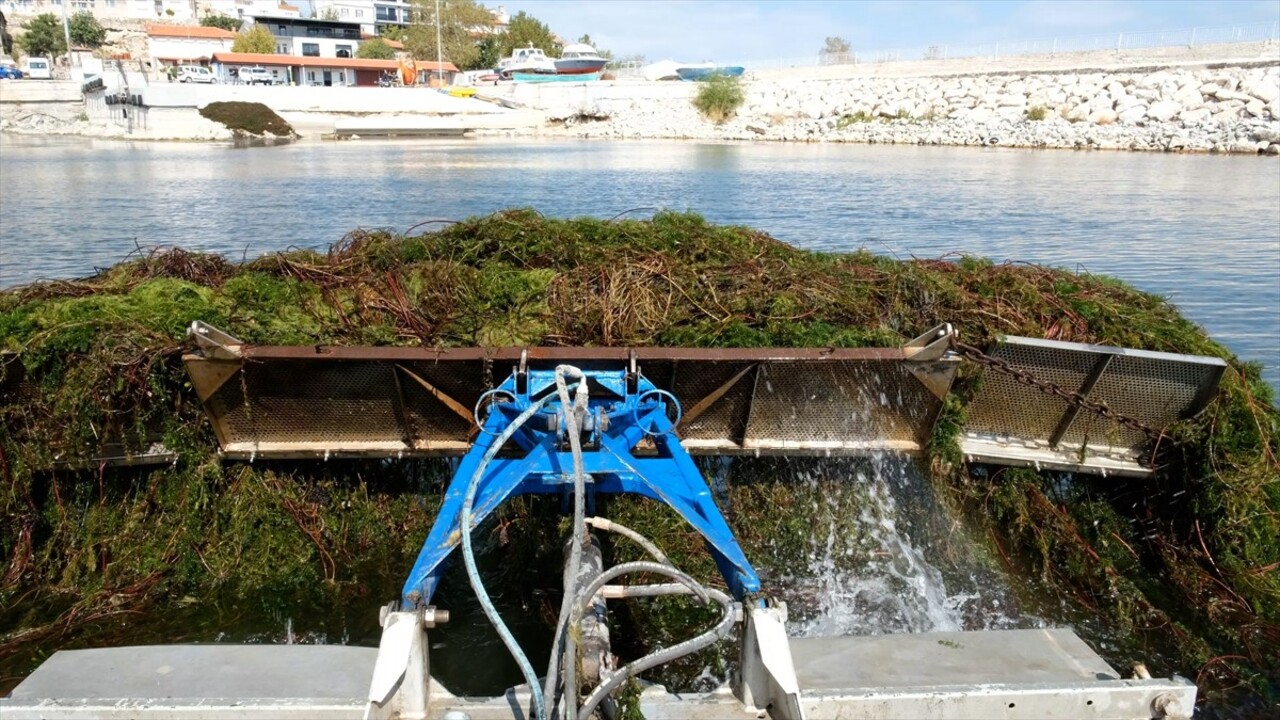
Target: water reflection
1204,231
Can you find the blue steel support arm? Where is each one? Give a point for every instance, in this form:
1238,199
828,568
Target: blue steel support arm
671,477
501,479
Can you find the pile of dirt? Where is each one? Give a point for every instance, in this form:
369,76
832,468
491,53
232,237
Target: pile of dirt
1184,564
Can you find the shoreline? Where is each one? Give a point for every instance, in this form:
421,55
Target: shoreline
1213,108
1240,138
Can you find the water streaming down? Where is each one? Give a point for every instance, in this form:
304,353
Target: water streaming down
879,546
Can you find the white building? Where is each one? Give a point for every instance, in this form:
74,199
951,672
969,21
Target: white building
390,13
162,10
312,38
183,44
360,11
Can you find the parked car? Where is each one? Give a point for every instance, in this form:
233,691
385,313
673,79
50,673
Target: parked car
37,68
196,73
9,72
257,76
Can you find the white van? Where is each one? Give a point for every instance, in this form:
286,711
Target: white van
196,73
37,68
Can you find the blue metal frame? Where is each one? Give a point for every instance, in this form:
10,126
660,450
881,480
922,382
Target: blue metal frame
621,412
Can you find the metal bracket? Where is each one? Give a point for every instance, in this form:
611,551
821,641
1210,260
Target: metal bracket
625,419
924,359
768,676
214,343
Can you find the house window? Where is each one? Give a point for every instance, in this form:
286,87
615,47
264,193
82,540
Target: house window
345,12
311,49
312,75
344,51
280,29
342,78
359,13
282,49
111,3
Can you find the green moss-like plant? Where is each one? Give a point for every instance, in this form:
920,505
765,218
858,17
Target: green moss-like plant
247,117
1185,566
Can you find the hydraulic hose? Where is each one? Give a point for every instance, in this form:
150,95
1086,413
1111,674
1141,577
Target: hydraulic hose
573,415
722,630
610,526
583,599
473,575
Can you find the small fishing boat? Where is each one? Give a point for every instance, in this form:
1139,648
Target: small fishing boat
706,70
580,59
528,61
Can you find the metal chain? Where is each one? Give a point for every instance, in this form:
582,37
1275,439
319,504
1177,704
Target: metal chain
1072,398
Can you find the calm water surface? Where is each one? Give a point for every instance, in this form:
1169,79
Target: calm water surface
1203,231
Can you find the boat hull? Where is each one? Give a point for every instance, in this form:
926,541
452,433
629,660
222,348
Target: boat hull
545,78
579,66
702,73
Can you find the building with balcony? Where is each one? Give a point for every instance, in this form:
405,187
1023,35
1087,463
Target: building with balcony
390,13
359,11
309,37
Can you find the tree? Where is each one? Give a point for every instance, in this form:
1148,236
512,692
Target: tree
218,20
525,30
254,39
490,53
375,49
459,21
43,37
330,14
835,51
586,40
86,31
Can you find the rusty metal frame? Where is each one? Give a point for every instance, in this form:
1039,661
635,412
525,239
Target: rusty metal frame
221,359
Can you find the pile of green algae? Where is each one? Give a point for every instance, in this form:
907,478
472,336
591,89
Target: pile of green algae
1184,567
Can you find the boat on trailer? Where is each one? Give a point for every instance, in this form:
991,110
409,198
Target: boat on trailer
580,59
578,423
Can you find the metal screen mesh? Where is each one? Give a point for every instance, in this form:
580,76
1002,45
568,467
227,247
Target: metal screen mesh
295,407
1020,424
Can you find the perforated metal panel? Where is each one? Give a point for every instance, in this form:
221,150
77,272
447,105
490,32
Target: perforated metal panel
1014,423
307,402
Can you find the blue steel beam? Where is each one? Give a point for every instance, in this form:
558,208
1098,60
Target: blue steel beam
621,419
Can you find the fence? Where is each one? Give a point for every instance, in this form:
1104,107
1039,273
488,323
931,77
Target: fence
1188,37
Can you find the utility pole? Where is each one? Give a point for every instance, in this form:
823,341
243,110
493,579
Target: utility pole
439,49
66,32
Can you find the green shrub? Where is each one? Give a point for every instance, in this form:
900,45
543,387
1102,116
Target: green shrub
719,97
1039,112
862,116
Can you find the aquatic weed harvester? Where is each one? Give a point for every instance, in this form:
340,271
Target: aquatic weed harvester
582,423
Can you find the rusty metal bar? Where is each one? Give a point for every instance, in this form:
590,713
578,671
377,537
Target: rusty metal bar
321,401
1086,387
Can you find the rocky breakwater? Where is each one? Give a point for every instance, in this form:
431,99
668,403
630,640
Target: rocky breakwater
1230,109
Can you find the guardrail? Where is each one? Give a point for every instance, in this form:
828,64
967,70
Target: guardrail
1149,39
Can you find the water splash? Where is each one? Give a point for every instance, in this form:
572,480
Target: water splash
867,575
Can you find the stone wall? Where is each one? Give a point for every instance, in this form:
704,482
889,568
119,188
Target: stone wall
1223,109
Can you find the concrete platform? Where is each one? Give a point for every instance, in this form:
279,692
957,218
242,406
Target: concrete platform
197,681
946,676
1033,674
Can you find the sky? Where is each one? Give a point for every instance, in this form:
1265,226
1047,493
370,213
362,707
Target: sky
738,30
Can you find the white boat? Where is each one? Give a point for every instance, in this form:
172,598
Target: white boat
661,70
526,60
580,59
671,70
